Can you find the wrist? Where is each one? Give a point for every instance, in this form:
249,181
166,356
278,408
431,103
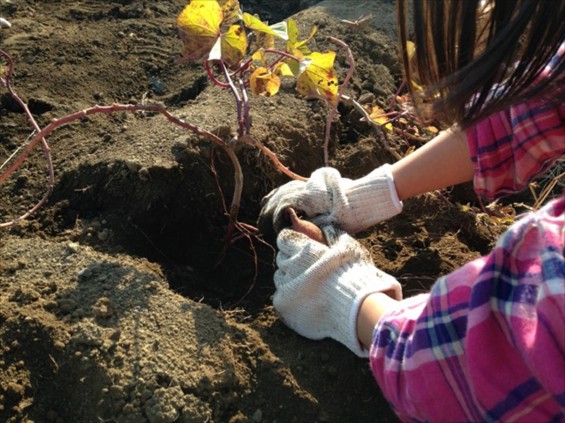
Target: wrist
372,308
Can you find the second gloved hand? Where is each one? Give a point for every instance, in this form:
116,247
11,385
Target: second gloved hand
320,288
327,198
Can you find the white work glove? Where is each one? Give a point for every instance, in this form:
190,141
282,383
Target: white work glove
327,198
320,288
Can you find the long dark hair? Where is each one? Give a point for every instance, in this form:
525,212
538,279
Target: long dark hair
475,57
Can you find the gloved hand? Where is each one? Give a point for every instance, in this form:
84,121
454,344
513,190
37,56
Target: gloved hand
327,198
320,288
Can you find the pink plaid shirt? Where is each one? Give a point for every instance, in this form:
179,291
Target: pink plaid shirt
488,342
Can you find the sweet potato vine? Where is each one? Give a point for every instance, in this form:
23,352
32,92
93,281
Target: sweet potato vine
241,53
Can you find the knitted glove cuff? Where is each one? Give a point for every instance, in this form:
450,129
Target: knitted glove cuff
355,283
371,199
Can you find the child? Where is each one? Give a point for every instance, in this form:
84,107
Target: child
488,342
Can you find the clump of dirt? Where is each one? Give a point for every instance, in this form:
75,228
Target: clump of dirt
117,299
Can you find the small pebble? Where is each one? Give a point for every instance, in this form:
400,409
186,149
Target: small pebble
103,308
72,247
366,98
103,235
257,417
66,305
85,273
58,345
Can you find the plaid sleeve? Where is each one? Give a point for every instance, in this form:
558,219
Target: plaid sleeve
488,342
512,147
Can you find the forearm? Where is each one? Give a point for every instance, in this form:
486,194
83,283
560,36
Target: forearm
442,162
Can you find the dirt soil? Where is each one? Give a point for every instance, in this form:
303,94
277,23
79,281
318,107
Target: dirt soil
116,303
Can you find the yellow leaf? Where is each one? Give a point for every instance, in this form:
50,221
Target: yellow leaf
259,56
264,82
278,30
293,46
283,69
464,208
292,31
431,129
234,45
495,220
378,116
297,48
417,87
410,49
199,28
317,77
410,150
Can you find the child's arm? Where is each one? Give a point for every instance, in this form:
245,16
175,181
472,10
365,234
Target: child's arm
487,343
501,153
442,162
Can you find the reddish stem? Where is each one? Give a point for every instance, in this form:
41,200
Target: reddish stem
46,150
272,156
238,100
212,77
282,53
396,94
158,108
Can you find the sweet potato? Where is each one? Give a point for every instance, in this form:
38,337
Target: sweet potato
306,227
